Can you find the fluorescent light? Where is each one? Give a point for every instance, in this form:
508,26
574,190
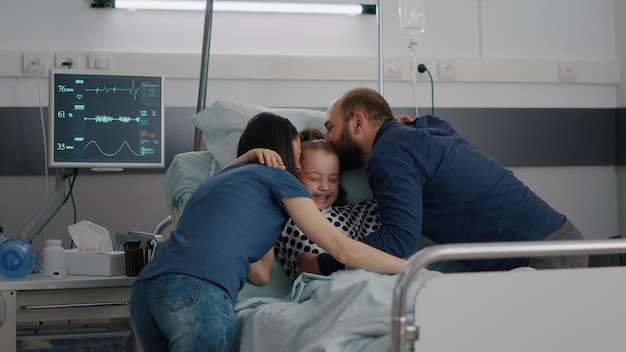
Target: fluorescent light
246,6
285,7
159,5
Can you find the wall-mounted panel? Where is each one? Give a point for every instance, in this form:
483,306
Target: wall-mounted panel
22,144
514,137
620,136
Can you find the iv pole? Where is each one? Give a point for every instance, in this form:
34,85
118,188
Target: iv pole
204,69
379,23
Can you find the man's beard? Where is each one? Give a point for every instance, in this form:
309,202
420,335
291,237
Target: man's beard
350,153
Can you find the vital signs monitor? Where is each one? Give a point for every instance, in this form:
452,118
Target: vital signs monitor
105,121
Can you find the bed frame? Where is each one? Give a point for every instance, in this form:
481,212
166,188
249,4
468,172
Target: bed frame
521,310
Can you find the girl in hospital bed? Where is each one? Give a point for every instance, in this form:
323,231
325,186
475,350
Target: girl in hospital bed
320,176
184,298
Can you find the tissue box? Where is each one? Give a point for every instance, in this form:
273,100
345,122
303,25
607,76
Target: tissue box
94,263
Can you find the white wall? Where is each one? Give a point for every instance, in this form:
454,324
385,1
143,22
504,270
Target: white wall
504,41
507,53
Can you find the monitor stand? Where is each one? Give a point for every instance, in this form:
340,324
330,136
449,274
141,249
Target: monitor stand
49,208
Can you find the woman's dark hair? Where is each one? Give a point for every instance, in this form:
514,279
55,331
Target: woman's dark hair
267,130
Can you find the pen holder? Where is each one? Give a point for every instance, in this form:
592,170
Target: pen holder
134,257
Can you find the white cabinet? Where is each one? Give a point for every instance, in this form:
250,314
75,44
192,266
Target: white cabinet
40,299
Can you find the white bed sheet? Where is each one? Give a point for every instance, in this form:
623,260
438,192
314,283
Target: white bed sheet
349,310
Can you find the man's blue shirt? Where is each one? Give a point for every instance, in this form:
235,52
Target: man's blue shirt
429,180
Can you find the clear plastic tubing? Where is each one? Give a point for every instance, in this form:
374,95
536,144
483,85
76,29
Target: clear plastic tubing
412,23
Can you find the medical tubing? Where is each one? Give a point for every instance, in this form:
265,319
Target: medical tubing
70,182
43,134
421,68
414,69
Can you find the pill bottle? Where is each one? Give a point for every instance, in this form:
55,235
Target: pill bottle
17,258
135,258
53,258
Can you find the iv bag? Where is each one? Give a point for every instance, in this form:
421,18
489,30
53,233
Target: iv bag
412,18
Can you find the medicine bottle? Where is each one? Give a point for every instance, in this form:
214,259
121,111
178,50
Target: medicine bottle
53,258
135,258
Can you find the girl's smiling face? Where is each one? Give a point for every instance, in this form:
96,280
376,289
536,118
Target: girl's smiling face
320,176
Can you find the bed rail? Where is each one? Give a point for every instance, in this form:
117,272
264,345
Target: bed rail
404,333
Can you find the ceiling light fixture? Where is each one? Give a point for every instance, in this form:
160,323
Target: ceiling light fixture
240,6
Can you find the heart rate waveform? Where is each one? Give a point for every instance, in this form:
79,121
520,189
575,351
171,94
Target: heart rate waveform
132,90
109,119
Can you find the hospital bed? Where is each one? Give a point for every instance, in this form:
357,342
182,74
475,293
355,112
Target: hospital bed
445,309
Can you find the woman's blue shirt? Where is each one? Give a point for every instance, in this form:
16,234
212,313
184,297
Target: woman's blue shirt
230,221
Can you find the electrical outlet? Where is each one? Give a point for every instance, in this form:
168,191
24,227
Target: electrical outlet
393,69
34,63
99,61
446,69
67,59
567,72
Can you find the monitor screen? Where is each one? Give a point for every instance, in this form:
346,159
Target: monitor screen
105,121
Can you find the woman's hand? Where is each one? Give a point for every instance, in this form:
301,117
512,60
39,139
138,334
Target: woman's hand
260,155
266,157
345,250
405,119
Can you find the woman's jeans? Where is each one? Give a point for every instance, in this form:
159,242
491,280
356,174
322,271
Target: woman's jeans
177,313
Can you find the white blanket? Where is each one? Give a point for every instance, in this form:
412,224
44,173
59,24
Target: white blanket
347,311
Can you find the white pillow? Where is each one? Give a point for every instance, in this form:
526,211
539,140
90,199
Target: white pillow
223,122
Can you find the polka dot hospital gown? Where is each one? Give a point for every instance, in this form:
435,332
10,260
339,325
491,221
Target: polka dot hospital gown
354,220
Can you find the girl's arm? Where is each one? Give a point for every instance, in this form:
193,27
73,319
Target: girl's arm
260,270
308,218
261,156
